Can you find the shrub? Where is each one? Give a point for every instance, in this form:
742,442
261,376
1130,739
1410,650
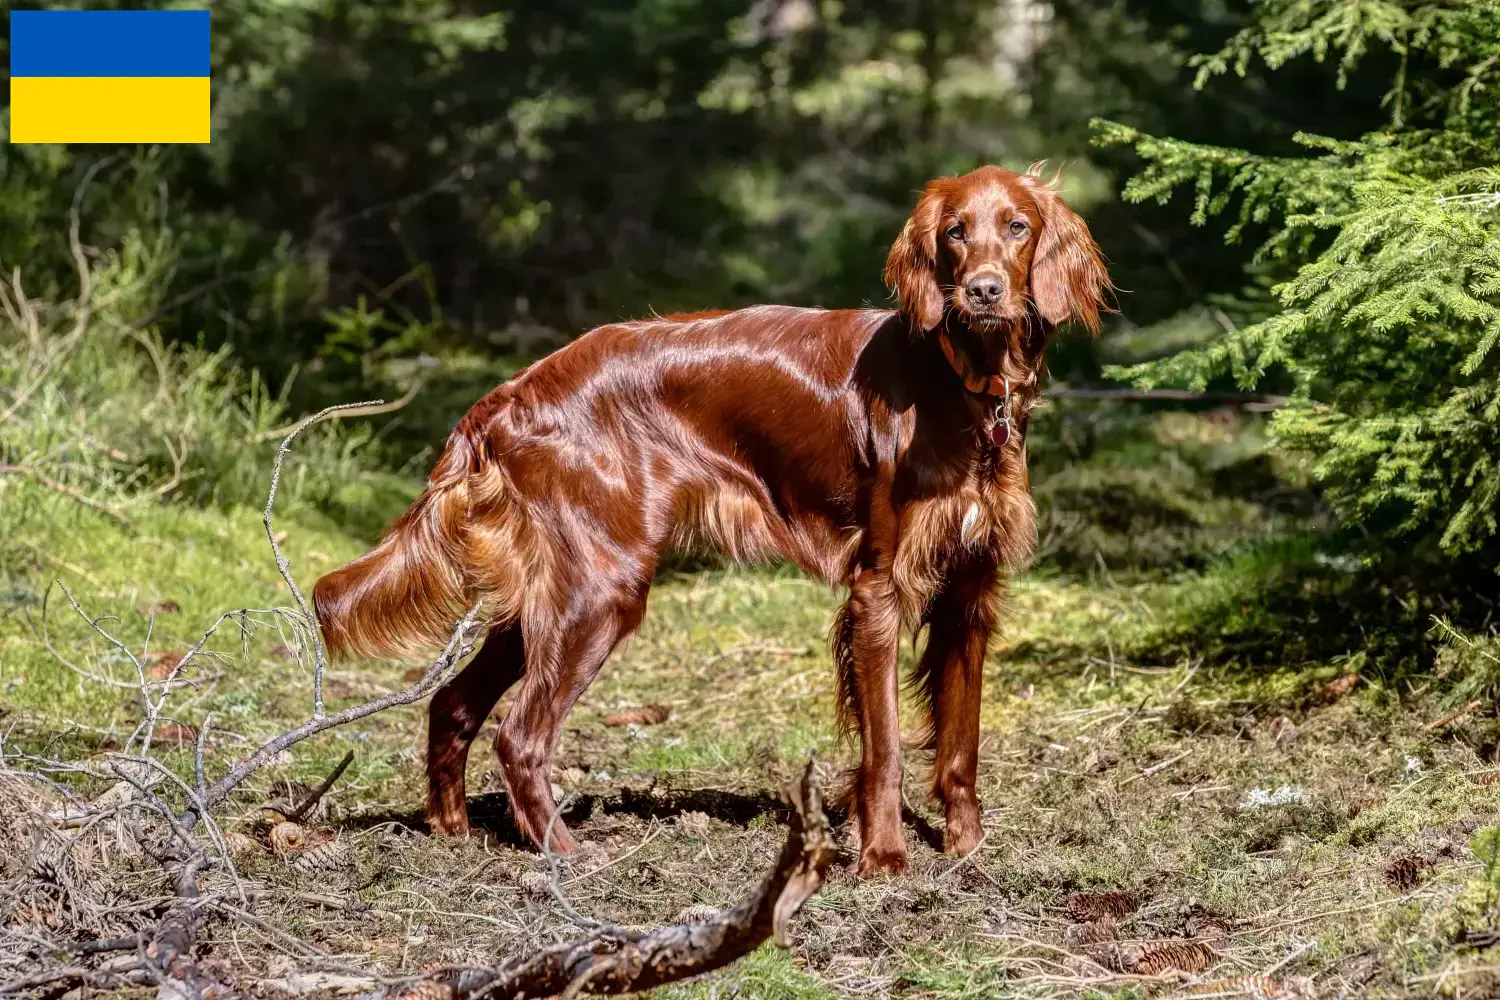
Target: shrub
99,407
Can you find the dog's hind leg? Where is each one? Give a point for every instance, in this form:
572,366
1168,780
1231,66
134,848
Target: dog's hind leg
560,666
454,716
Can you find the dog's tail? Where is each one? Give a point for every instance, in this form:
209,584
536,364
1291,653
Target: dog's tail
405,596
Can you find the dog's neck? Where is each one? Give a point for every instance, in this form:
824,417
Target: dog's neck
998,364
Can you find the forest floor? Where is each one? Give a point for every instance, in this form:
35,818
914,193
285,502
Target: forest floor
1152,828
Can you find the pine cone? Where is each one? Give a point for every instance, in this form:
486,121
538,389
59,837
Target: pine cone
239,844
1164,956
49,862
1205,925
1486,778
1087,906
698,913
332,856
1255,987
1093,932
535,883
694,824
288,838
1405,873
425,989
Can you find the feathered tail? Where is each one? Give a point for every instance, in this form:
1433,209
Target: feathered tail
405,595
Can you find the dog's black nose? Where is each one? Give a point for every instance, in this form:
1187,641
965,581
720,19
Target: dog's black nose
984,290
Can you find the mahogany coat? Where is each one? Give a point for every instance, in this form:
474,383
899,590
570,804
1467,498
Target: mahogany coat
882,451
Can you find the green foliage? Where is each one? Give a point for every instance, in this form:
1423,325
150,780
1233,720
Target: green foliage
1388,254
100,407
434,177
1128,492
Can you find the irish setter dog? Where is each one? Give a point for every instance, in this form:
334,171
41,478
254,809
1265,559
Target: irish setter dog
884,451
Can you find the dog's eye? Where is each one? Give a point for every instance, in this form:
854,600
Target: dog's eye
1019,229
956,233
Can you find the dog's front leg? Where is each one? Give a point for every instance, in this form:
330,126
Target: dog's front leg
959,623
876,620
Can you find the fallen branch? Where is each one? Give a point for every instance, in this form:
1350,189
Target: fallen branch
283,564
1453,716
618,961
172,820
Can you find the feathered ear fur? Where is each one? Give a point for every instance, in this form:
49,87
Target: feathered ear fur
911,268
1068,279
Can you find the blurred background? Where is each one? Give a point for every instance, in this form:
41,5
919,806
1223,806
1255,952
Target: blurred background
408,199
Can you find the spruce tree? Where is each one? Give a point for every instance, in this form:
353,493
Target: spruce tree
1388,253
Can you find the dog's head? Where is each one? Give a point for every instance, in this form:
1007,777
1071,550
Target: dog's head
991,246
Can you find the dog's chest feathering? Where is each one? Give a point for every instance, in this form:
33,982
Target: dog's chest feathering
990,516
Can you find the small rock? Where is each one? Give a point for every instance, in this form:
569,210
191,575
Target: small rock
535,883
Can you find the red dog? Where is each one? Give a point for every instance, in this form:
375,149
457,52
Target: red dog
880,450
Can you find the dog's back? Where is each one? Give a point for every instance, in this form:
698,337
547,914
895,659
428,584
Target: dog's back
734,431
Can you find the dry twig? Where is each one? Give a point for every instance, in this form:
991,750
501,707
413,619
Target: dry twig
615,960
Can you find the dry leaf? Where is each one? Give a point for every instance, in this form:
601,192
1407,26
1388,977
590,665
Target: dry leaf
414,674
159,666
164,608
178,736
647,715
1335,689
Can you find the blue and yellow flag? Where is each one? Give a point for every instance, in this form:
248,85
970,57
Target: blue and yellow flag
109,76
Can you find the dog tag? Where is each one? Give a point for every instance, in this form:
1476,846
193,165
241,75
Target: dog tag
1000,432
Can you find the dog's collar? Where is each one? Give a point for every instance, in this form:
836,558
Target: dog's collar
998,426
983,385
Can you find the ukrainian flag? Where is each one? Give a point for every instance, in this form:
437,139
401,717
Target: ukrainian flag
109,76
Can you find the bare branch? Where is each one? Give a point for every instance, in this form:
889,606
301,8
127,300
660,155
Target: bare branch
459,646
284,565
621,961
372,409
310,802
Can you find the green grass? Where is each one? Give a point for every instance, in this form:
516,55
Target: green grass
1128,725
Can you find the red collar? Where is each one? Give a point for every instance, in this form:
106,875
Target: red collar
984,385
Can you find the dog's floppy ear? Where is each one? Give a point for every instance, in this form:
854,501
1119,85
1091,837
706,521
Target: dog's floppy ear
1068,279
911,268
